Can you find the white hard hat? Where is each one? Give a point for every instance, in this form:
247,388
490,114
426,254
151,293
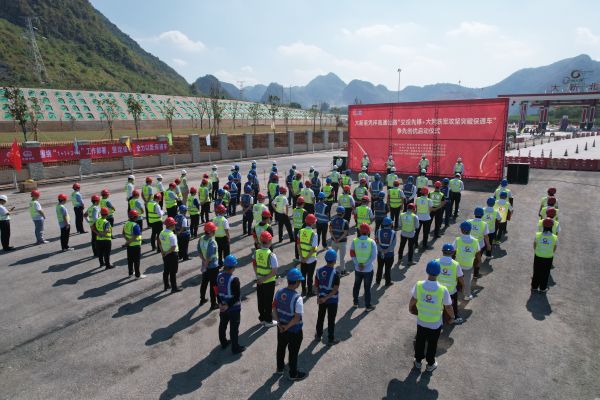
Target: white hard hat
131,177
274,162
253,161
214,167
183,172
293,166
390,157
393,169
459,159
364,168
423,171
3,197
423,155
159,176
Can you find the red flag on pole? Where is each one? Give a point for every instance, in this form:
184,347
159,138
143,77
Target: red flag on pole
15,156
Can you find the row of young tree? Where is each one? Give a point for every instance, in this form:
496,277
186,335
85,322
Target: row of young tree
212,108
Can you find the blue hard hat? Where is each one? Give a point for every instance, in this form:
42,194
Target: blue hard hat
221,191
274,169
230,261
387,221
445,180
328,180
377,176
381,195
330,255
321,195
433,268
491,201
503,183
466,226
182,208
247,189
503,195
229,177
410,179
340,209
448,247
294,275
478,212
253,172
250,176
236,167
316,173
348,172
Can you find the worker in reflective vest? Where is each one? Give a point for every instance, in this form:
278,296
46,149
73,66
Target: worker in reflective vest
423,163
544,201
207,251
428,302
459,167
322,219
361,190
422,181
409,223
374,189
222,233
288,308
544,246
265,268
390,165
129,188
298,217
479,230
347,178
551,201
503,187
263,226
327,284
93,213
106,203
456,186
213,178
363,214
135,203
178,191
273,191
160,188
492,219
386,244
395,201
363,251
328,190
451,276
296,187
230,305
437,207
365,162
132,232
347,201
183,186
233,196
390,178
78,207
104,238
335,179
155,214
307,245
380,209
247,203
258,209
424,206
550,213
171,200
505,209
363,175
339,230
281,205
182,230
309,197
147,195
410,192
64,222
169,249
467,248
204,200
193,206
315,183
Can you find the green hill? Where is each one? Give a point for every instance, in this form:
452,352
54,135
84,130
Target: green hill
81,49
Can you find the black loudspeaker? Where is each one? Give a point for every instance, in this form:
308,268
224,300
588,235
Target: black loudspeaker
344,163
518,173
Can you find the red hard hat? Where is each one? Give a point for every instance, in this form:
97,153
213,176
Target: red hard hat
396,182
177,181
550,212
363,180
172,185
204,181
300,200
411,206
104,192
210,227
170,221
437,184
551,191
35,193
158,196
220,209
205,176
298,175
95,198
135,193
260,196
424,191
307,183
364,229
76,186
282,190
148,179
310,219
266,213
548,223
104,211
346,188
193,190
226,187
551,201
266,237
62,196
275,177
365,198
132,214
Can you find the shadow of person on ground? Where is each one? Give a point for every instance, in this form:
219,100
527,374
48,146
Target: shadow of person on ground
72,280
102,290
66,266
191,380
410,389
538,306
138,306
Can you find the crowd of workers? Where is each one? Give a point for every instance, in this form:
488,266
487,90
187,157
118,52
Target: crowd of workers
389,215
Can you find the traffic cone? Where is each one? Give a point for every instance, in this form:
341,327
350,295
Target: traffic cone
585,148
577,149
566,153
550,153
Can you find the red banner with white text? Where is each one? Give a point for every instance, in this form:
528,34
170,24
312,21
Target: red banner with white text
54,153
474,130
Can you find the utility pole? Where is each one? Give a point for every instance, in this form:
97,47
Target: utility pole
40,68
399,72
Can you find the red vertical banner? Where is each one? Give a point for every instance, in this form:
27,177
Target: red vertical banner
474,130
15,156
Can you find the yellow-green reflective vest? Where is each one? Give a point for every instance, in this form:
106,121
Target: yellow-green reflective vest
170,198
327,190
128,231
359,192
152,215
363,175
544,244
543,213
477,228
447,276
298,217
465,252
192,209
147,192
273,189
165,241
362,249
219,221
455,185
100,223
422,181
429,304
92,213
263,267
308,195
59,214
306,235
362,215
408,222
280,204
490,218
137,205
258,229
554,227
103,204
346,180
436,197
345,201
203,195
500,189
296,187
422,205
502,210
257,211
390,179
395,197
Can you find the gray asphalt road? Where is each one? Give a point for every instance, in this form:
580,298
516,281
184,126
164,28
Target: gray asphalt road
70,330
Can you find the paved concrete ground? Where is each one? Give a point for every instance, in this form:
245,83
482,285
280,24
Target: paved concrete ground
70,330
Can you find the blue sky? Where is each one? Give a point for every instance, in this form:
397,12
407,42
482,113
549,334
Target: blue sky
476,42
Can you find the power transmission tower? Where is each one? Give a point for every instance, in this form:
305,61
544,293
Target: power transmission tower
40,68
241,85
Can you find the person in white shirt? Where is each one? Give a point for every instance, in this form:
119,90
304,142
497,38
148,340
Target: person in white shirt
5,224
467,248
